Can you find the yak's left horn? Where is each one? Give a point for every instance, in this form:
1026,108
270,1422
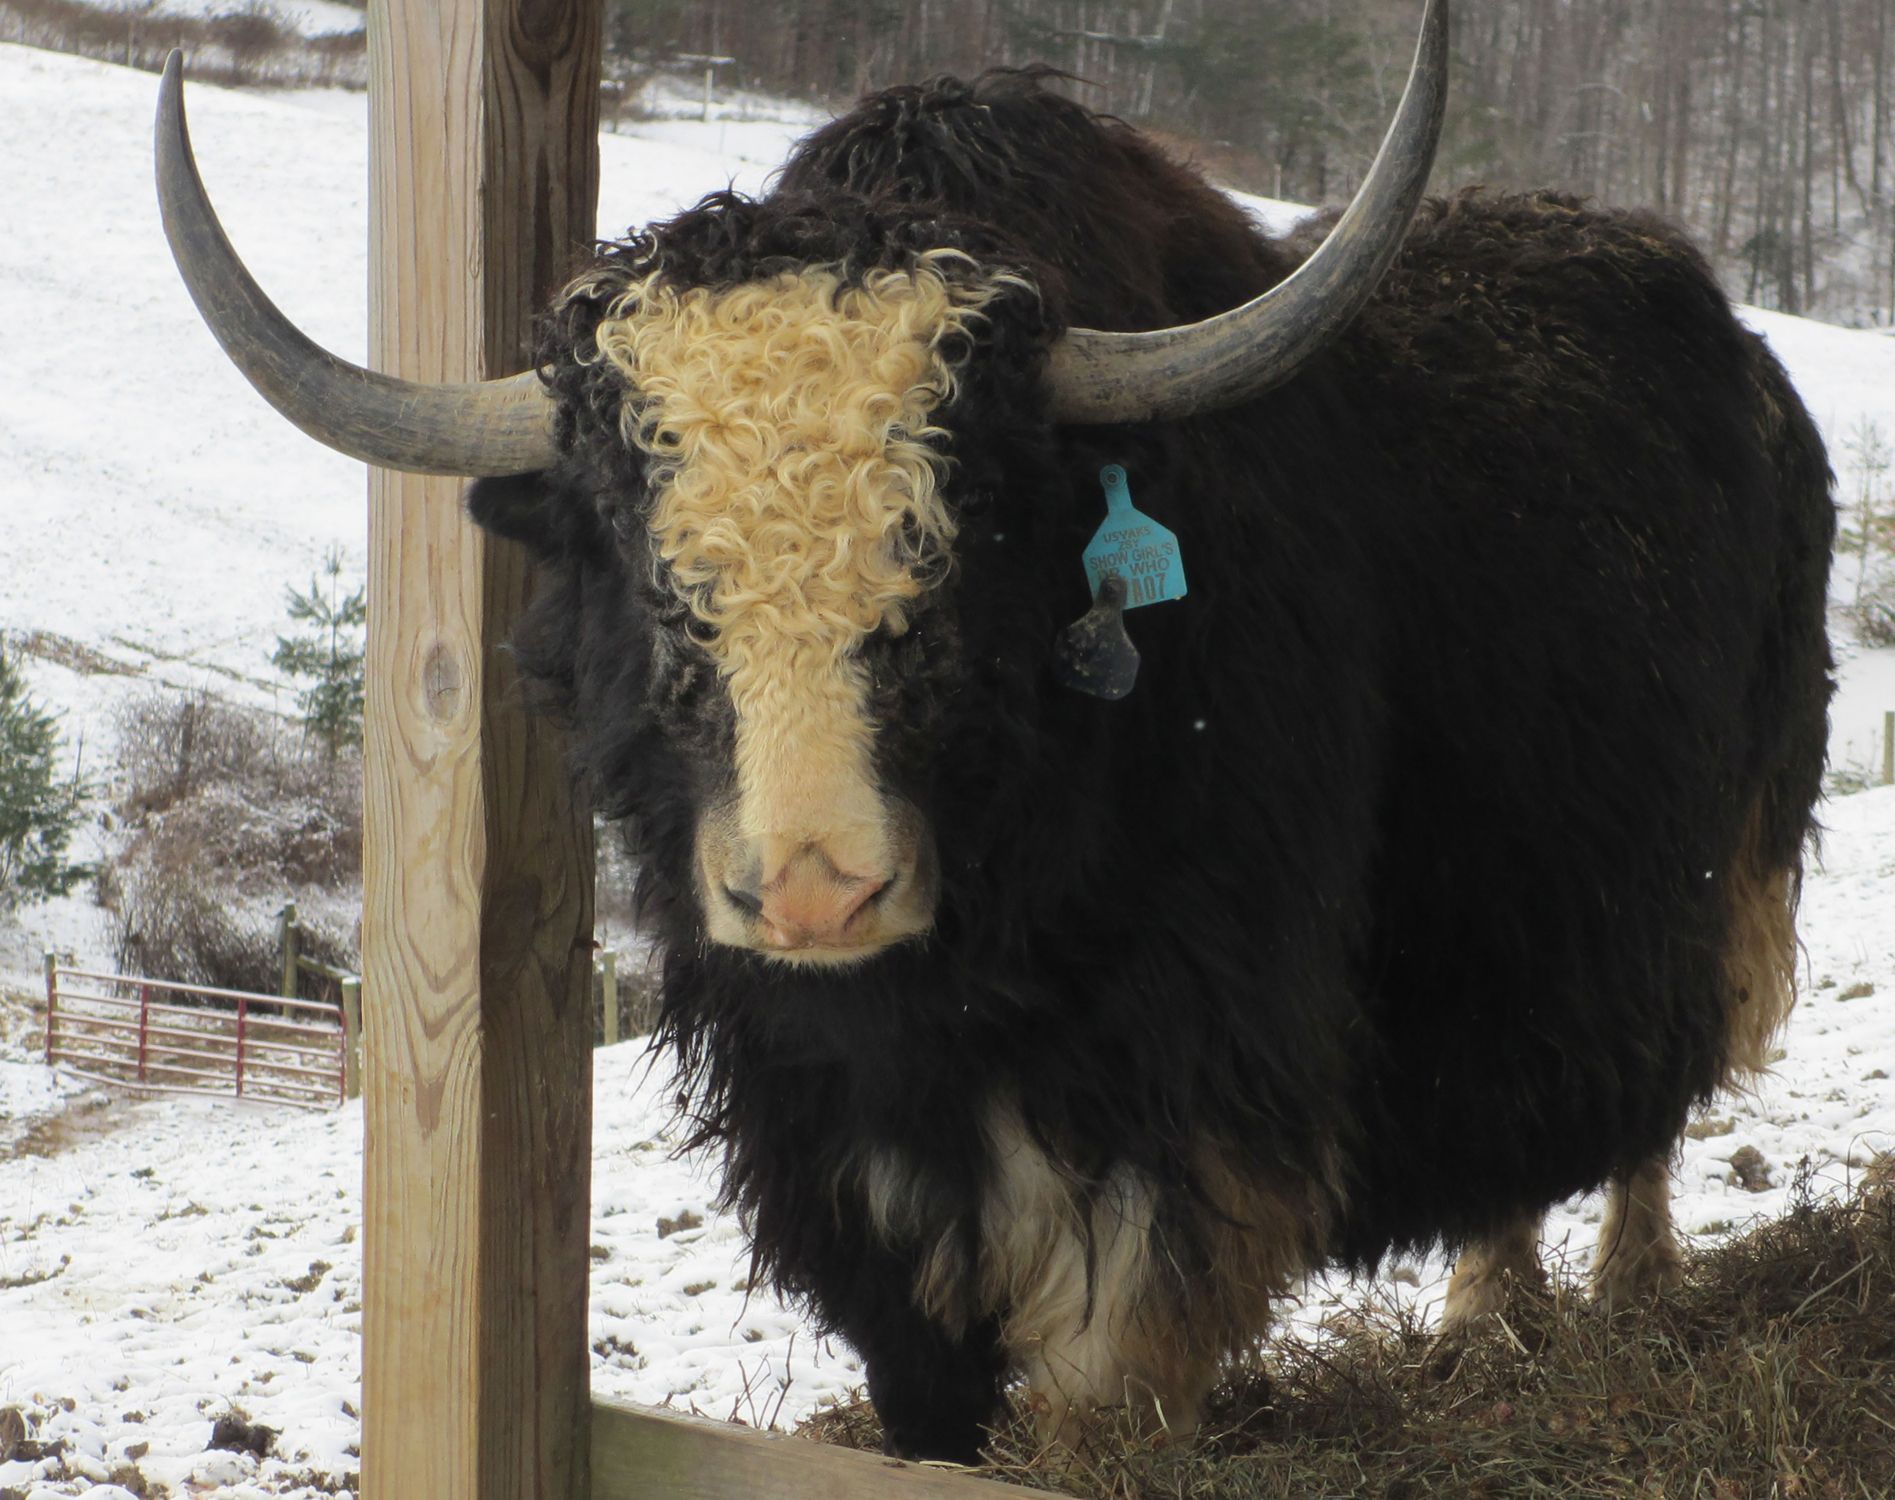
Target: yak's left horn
492,427
1172,372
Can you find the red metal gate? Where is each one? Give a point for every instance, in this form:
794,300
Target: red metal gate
193,1039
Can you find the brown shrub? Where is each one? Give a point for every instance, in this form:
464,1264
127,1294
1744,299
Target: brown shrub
1874,614
226,816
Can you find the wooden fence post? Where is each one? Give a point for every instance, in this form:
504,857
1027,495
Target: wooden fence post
144,1028
286,946
1888,748
351,1038
609,994
477,878
51,965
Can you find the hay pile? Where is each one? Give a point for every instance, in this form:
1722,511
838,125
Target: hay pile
1770,1373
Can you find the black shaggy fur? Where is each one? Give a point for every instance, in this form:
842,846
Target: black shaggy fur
1415,838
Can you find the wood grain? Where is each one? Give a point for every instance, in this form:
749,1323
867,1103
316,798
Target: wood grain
477,922
641,1454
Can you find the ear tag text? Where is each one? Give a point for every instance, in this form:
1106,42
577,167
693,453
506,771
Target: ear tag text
1134,547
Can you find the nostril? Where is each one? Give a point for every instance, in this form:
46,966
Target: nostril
859,895
750,901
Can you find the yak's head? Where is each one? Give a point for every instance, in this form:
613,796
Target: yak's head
761,457
766,447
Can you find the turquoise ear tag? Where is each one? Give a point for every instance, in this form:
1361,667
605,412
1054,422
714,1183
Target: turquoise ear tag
1131,560
1135,547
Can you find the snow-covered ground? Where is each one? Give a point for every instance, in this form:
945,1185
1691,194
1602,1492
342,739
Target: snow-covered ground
182,1260
160,1267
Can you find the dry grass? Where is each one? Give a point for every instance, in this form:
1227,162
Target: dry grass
1770,1373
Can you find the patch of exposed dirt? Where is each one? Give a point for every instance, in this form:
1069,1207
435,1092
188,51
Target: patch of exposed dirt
84,1117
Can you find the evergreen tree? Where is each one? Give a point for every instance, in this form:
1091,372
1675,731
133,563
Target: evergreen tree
38,810
329,654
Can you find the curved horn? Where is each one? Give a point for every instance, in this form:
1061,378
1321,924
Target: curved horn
493,427
1172,372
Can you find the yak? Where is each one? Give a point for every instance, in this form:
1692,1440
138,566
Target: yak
1440,856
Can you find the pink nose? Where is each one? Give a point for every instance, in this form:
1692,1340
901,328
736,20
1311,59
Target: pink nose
810,902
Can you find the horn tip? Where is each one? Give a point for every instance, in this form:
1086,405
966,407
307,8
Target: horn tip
173,67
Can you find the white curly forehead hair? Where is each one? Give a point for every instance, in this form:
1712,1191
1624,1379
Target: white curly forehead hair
795,480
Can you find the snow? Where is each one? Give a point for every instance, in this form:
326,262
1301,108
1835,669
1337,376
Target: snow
202,1259
159,1258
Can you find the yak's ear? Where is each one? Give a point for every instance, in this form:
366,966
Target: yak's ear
528,508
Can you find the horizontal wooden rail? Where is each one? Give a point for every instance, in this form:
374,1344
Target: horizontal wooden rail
326,971
642,1454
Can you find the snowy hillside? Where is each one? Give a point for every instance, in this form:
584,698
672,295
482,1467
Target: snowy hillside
163,1264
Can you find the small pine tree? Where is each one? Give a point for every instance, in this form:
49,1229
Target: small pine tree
38,811
330,654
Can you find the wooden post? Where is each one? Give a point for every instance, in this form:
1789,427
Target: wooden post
609,994
477,879
51,964
286,949
243,1018
1888,748
351,1038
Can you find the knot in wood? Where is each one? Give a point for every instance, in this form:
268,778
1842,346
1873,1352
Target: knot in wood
441,682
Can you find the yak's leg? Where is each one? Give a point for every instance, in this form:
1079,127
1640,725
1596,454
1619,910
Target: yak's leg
936,1395
937,1391
1638,1253
1487,1269
1090,1318
1077,1374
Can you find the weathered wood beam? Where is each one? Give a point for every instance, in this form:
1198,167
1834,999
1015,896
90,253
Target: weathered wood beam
477,921
642,1454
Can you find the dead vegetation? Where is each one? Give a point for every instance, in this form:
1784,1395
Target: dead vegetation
1767,1375
243,42
226,815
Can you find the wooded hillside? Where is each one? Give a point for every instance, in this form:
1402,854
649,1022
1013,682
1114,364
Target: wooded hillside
1764,125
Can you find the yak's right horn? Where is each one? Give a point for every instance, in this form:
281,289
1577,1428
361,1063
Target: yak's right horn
492,427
